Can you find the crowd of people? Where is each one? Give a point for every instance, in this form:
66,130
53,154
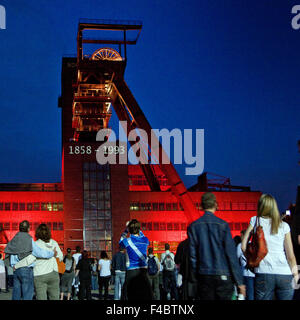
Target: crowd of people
208,265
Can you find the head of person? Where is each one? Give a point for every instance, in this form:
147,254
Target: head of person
78,249
85,254
103,255
150,250
134,226
243,233
167,246
209,202
69,252
237,240
43,233
24,226
267,208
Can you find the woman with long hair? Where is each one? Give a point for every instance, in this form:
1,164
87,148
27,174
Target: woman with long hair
277,272
45,271
68,276
104,268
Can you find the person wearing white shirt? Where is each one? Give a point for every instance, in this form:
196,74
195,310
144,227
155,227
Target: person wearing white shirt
278,271
104,268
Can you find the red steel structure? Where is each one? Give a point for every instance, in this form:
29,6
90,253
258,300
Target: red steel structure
95,200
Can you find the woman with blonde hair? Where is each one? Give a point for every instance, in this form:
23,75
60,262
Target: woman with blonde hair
277,273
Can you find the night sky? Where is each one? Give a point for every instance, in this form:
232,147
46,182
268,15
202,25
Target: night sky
229,67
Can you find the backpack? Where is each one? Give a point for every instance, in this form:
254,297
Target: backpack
152,266
169,263
256,249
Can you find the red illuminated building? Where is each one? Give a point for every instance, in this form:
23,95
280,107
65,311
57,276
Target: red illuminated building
93,202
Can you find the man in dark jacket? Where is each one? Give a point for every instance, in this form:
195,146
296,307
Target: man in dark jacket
119,272
213,255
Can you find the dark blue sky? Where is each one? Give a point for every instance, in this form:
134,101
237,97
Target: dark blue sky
229,67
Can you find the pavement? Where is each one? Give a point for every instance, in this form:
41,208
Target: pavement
95,294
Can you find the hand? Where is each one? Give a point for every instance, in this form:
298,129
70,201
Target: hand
242,290
55,252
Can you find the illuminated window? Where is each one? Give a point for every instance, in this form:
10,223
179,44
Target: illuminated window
29,206
7,206
49,206
15,206
55,206
60,206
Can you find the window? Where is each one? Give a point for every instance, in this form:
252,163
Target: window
161,206
6,226
7,206
144,226
162,226
15,206
49,225
230,225
183,226
60,206
36,206
60,226
54,226
29,206
55,206
155,206
1,206
176,226
237,226
169,206
244,225
49,206
149,226
22,206
155,226
15,226
175,206
169,226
